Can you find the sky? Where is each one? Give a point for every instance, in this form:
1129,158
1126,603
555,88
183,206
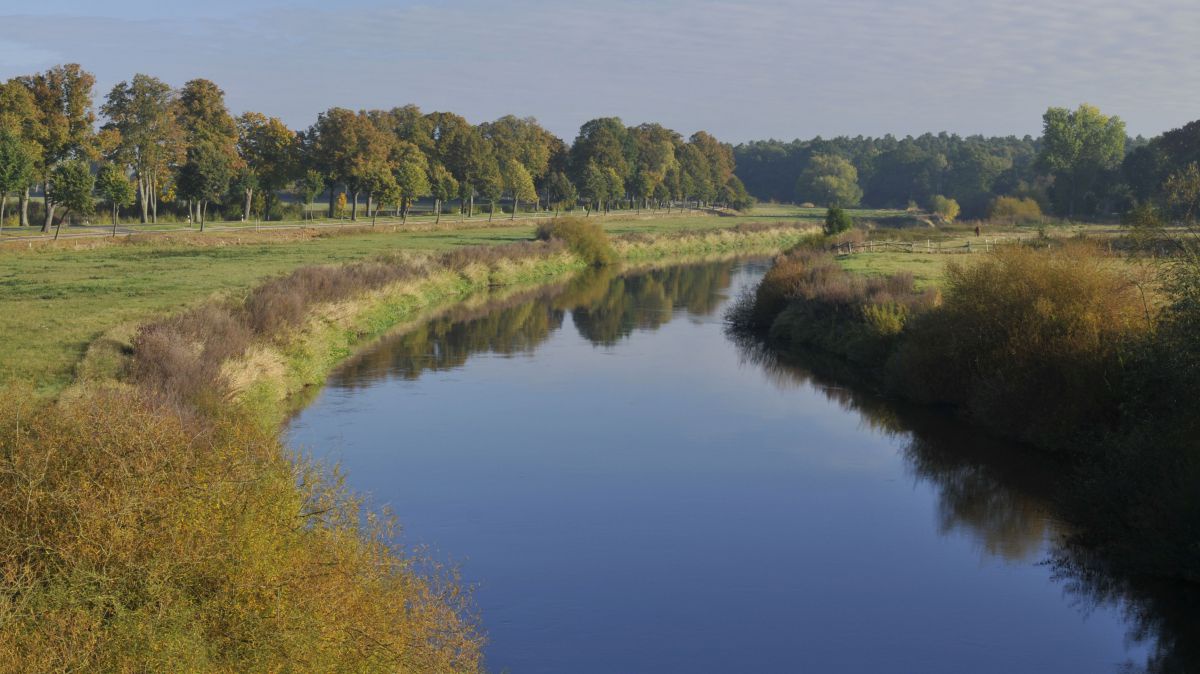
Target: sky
739,69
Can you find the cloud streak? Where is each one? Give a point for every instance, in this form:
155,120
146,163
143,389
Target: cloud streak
772,68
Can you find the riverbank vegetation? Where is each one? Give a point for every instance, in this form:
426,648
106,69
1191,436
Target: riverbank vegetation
153,518
60,298
139,537
1062,345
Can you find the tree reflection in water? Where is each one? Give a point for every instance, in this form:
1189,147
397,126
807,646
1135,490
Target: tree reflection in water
606,306
995,492
1001,494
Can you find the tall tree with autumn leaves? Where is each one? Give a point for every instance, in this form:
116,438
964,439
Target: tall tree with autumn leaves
146,136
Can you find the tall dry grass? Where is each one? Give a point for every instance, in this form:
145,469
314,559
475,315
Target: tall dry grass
1027,342
134,538
180,357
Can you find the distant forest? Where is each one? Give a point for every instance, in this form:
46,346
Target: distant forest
1082,166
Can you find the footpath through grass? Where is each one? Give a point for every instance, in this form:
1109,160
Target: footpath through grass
57,299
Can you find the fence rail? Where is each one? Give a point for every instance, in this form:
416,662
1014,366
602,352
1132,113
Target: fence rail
929,246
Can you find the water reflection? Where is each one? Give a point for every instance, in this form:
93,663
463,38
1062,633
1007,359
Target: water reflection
606,306
1001,495
995,494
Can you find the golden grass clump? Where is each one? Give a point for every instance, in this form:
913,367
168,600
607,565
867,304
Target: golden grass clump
1026,341
136,538
584,238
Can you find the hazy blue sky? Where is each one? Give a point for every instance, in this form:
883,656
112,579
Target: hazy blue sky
740,69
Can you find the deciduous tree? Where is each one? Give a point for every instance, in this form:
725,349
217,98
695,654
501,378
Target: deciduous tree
142,113
519,184
66,122
115,188
269,149
16,166
830,180
72,187
443,186
1078,147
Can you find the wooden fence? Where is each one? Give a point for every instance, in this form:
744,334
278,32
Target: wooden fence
929,246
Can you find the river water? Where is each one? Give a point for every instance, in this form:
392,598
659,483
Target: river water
630,490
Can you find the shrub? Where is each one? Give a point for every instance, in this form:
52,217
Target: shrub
1026,342
807,300
584,238
947,209
837,221
136,539
1014,210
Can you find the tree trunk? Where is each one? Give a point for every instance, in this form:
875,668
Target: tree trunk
49,211
24,206
3,203
354,208
114,214
437,205
153,200
58,228
516,202
491,210
143,199
332,206
471,208
249,201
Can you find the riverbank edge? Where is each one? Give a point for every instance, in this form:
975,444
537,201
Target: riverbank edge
1117,540
277,376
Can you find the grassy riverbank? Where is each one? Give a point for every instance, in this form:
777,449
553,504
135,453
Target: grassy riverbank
281,355
152,518
56,299
1067,348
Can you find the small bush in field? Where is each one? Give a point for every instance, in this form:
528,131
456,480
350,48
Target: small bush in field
584,238
1018,211
948,209
837,221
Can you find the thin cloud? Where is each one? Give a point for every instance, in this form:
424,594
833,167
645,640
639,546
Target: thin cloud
739,69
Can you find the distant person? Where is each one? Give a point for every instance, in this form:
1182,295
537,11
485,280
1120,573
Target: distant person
976,230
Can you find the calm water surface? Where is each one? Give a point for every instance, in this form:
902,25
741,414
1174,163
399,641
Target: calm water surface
631,491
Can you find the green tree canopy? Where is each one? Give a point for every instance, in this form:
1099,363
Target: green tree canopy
562,190
16,166
270,153
1078,147
518,183
146,135
115,188
206,175
829,180
73,187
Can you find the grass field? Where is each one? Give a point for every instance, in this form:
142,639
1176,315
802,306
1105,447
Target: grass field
98,226
55,299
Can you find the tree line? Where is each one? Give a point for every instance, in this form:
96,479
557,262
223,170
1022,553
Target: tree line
1082,166
160,147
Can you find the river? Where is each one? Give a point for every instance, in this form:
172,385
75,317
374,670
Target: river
631,490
